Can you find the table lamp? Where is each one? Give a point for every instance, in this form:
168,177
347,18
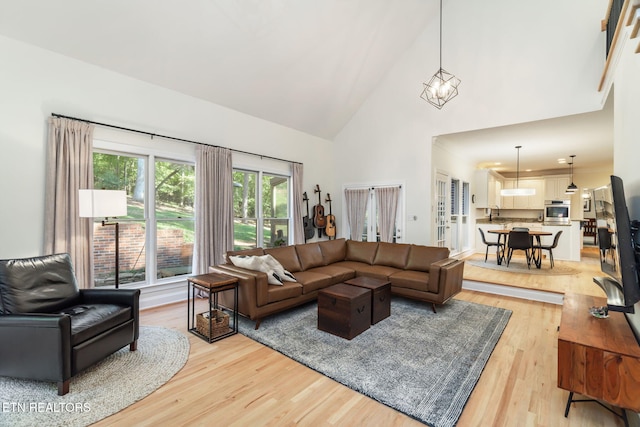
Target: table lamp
105,204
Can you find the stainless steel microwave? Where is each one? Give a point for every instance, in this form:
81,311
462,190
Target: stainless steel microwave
557,211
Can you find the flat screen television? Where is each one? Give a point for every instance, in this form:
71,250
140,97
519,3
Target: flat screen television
616,247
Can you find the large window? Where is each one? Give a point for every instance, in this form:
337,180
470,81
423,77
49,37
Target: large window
260,209
156,236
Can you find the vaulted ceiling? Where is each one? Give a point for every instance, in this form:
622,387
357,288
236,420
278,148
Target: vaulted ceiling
304,64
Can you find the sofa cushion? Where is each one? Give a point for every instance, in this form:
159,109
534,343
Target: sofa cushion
90,320
310,255
312,281
245,252
337,273
361,251
392,254
418,280
333,250
287,256
421,257
379,271
286,291
38,285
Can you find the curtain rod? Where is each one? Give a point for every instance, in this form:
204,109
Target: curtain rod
169,137
386,186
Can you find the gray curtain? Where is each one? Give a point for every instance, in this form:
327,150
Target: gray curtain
387,207
69,168
298,227
356,202
214,207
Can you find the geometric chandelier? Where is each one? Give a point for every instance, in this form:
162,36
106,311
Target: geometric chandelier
443,86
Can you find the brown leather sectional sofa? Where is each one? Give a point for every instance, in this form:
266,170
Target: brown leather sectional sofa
424,273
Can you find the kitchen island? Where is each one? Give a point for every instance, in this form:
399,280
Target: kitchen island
569,245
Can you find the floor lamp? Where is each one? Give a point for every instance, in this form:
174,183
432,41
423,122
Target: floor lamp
105,204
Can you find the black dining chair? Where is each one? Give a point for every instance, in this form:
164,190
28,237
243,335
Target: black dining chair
499,247
521,241
606,244
550,247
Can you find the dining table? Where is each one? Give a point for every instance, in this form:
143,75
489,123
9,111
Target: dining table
502,238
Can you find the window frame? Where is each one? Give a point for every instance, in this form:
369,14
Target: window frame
260,216
187,156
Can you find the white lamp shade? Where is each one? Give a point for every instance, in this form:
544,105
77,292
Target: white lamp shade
102,203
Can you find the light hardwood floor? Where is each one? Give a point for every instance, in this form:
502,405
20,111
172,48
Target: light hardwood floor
238,382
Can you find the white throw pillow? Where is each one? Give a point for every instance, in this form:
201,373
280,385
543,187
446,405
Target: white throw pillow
256,263
275,265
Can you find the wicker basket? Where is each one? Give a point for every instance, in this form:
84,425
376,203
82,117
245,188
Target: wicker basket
219,324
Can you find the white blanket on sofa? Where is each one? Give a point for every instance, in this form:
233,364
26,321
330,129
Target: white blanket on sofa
276,274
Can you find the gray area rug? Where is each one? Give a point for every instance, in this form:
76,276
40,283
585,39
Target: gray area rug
102,390
421,363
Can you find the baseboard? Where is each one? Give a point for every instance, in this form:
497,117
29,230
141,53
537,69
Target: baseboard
168,293
513,291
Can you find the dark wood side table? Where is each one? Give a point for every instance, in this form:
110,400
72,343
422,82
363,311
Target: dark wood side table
380,295
598,358
211,326
344,310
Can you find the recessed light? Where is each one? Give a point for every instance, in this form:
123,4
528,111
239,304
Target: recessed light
562,160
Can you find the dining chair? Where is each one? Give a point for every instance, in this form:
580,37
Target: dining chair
520,240
550,247
606,244
499,247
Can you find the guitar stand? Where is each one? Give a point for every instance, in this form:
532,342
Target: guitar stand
623,415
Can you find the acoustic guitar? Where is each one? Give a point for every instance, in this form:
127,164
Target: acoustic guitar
319,220
330,229
306,221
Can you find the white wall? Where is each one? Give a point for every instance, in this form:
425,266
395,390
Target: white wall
35,83
626,150
517,63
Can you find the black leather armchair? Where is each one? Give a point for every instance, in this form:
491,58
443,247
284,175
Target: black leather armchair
50,330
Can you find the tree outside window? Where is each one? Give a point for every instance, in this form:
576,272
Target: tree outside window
162,235
261,217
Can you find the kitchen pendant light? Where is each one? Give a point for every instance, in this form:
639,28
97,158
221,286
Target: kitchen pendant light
443,86
572,188
517,191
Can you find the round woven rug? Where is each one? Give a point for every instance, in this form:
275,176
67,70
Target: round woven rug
520,266
102,390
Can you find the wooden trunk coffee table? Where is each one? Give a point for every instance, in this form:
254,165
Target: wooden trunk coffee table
380,296
344,310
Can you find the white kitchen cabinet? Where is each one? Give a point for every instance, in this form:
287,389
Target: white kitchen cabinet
488,185
524,202
555,187
506,202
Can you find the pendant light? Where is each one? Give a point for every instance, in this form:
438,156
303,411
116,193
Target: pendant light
517,191
572,188
443,85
